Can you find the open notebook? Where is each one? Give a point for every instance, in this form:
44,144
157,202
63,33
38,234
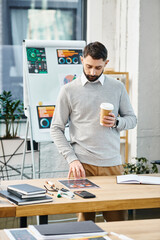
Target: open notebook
133,178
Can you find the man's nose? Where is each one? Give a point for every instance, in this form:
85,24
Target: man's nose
93,72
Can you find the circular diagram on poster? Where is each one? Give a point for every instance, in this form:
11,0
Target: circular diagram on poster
69,78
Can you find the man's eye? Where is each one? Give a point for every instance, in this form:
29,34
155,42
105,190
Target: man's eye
98,68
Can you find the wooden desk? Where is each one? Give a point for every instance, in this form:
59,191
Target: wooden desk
110,196
6,208
138,230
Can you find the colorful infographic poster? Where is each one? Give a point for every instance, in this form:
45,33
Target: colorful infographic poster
45,114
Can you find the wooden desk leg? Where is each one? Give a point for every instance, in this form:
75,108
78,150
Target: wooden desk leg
23,222
43,219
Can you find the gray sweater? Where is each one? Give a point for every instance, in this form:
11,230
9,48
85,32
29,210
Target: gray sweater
79,105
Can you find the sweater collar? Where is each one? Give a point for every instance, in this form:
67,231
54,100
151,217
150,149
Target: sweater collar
84,80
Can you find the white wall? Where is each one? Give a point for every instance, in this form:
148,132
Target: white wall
101,25
94,20
131,32
132,64
127,55
148,133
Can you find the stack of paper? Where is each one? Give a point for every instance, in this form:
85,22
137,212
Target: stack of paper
23,194
67,230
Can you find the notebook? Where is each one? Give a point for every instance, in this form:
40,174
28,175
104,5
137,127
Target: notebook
138,179
20,201
66,230
25,196
26,189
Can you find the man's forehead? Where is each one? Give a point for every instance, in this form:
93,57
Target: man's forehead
93,62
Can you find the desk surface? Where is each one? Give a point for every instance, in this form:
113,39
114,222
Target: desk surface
110,196
138,230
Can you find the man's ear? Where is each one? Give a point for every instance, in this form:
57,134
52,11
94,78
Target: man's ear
81,59
106,62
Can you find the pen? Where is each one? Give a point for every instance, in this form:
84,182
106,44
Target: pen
68,194
51,184
65,196
50,193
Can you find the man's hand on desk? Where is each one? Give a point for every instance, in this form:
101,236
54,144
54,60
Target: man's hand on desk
76,170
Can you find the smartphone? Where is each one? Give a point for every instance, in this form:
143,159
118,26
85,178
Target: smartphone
84,194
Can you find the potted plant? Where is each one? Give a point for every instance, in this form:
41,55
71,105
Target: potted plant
11,111
140,167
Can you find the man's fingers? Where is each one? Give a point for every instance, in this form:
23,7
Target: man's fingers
69,173
76,170
83,174
109,121
77,173
73,172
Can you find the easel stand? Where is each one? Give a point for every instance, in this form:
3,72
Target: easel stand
28,127
5,158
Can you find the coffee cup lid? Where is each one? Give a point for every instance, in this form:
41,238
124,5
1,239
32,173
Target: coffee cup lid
107,106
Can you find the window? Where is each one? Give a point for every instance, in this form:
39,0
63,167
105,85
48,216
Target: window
35,19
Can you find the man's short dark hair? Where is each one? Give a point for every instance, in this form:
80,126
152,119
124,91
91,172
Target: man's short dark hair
96,50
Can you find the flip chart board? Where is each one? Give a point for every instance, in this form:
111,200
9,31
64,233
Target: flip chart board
47,65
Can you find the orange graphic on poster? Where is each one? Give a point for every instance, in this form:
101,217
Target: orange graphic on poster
66,53
45,111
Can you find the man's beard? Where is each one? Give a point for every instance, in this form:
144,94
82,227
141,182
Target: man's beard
92,78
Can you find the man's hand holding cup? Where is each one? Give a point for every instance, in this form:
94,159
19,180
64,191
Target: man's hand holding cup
107,118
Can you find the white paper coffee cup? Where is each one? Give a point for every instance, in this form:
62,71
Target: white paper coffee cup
106,108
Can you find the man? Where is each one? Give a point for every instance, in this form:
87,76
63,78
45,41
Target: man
94,149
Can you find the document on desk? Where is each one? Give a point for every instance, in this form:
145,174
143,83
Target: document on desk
17,234
67,230
137,179
78,183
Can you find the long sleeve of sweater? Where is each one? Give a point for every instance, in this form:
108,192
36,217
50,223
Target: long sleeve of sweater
57,130
127,118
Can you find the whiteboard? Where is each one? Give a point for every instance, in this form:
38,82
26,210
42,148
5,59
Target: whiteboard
47,65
